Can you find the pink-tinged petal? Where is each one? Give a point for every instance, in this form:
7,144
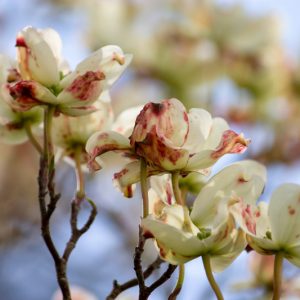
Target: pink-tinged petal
129,175
284,213
255,223
102,142
158,154
27,94
161,186
36,58
231,143
221,261
242,180
167,119
246,216
156,204
110,60
219,126
84,88
180,240
159,132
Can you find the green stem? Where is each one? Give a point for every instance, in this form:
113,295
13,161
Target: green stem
277,276
32,139
210,277
179,284
79,174
144,188
176,189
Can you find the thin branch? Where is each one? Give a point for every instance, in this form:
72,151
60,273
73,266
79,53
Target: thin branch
161,280
45,226
77,233
119,288
138,260
60,265
146,291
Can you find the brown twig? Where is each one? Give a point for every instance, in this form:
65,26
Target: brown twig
119,288
44,181
47,186
146,291
77,233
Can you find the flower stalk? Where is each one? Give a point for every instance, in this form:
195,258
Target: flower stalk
210,277
144,188
32,138
179,284
176,189
79,175
277,276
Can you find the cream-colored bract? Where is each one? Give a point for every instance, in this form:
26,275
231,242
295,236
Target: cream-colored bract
209,228
45,79
169,139
273,227
12,122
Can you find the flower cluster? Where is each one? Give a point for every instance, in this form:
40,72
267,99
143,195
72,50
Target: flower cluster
160,143
169,139
224,218
41,78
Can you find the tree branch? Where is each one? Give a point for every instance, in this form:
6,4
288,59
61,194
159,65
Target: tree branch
119,288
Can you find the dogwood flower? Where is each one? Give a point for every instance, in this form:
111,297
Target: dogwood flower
273,227
14,124
169,139
44,81
210,228
39,55
70,134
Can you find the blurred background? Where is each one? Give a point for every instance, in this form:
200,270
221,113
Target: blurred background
237,59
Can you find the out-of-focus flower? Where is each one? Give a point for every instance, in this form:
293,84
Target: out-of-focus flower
13,124
169,139
274,227
44,82
209,228
70,134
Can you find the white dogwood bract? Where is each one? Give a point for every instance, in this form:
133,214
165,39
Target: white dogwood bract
13,123
169,139
209,227
273,227
46,80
